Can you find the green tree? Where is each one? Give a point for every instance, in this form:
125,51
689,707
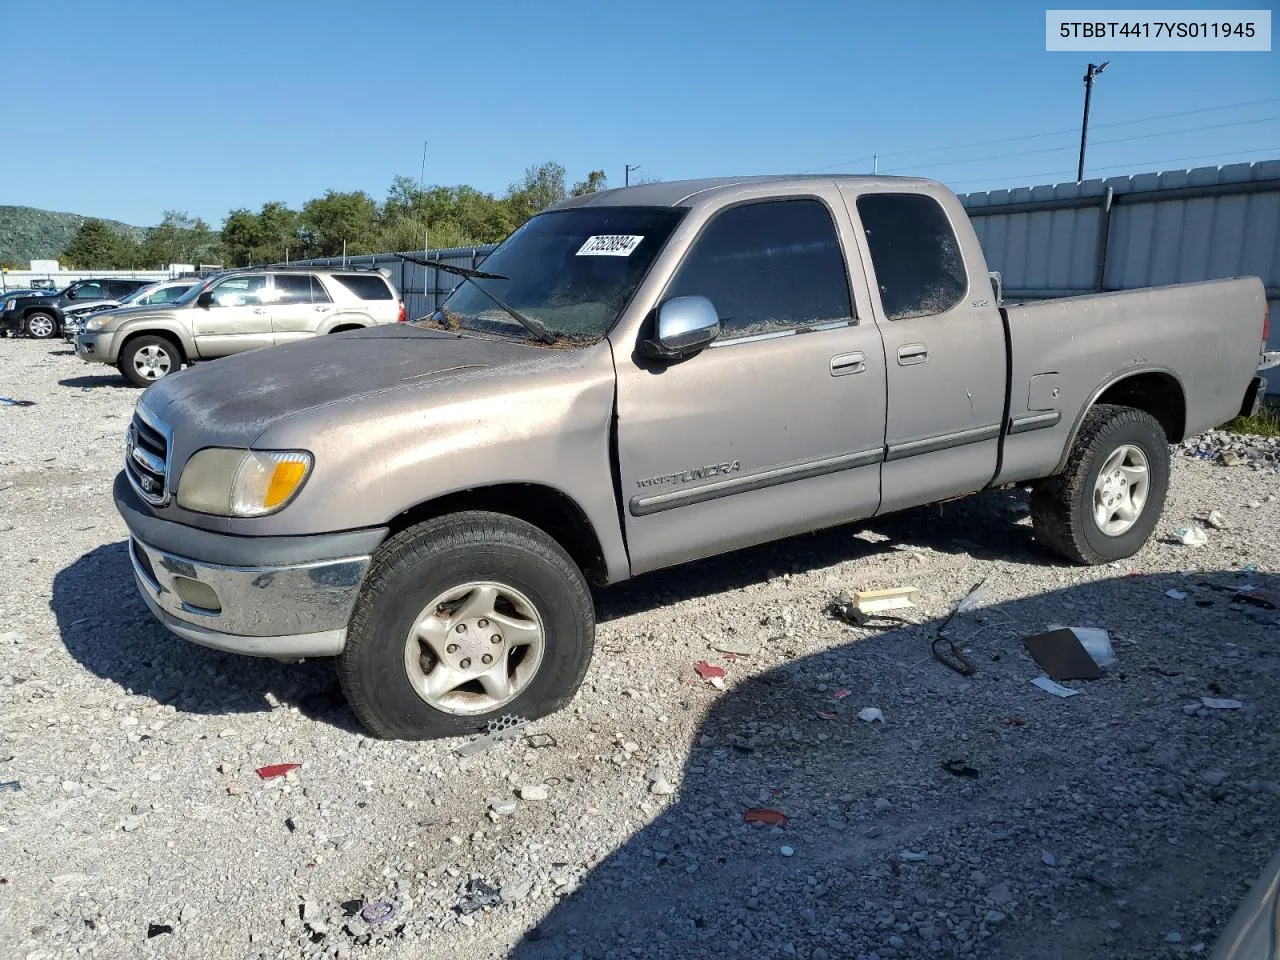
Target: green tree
542,186
95,246
179,238
335,218
268,236
595,182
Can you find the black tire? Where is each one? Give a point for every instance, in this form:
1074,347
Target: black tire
427,560
1062,505
46,325
136,352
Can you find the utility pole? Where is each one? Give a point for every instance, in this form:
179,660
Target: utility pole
1093,71
344,253
422,179
875,163
626,179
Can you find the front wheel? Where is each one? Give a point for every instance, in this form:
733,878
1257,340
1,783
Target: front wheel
41,326
465,619
1106,503
145,360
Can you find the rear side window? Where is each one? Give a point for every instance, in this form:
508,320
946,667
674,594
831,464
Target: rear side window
768,267
366,286
293,288
915,254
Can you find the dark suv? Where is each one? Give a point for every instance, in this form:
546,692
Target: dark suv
41,317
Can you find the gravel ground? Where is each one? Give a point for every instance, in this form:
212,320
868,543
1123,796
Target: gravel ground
1122,822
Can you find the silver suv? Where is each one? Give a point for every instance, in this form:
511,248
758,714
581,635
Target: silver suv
235,311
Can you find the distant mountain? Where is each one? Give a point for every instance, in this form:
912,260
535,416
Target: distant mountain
29,234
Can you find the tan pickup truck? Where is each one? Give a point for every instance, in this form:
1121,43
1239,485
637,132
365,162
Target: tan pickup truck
636,379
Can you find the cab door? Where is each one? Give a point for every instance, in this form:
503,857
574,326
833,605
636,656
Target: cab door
238,319
944,345
778,426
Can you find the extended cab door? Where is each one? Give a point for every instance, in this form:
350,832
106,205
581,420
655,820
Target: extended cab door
237,320
299,306
944,344
778,426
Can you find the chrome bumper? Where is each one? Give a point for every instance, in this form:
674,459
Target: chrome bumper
292,611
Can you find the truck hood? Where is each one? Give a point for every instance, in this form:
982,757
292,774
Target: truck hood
230,402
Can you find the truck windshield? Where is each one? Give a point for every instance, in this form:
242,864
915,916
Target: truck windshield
570,271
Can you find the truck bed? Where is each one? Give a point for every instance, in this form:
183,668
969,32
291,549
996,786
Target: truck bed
1198,342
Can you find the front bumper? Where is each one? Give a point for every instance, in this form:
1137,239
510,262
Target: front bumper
96,347
10,323
294,600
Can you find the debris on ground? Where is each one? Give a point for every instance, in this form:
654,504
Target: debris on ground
273,770
845,609
10,402
959,768
506,727
1062,656
1176,594
840,694
1217,521
735,648
708,671
478,896
1191,536
766,816
871,715
945,650
1057,689
156,929
13,786
910,856
534,793
377,913
1216,703
786,851
882,601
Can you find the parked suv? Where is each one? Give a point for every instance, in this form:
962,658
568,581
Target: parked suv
43,317
162,291
235,311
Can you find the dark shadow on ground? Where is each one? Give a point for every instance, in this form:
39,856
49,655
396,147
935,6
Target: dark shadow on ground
1091,826
983,526
106,626
66,352
106,380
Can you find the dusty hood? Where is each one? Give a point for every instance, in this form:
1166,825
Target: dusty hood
230,402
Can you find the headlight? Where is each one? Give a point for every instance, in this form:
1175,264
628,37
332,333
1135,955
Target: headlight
95,323
242,483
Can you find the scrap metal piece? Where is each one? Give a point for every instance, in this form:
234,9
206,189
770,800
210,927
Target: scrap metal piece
506,727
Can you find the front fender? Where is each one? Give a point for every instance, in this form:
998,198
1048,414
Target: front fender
175,328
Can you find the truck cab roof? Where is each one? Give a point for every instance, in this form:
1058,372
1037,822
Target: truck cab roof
684,193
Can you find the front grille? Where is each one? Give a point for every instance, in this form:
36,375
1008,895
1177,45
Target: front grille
146,458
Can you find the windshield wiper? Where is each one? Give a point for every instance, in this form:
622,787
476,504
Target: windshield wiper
535,327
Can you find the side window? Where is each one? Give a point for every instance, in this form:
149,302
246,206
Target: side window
167,295
318,293
239,291
117,289
292,288
90,291
915,254
768,267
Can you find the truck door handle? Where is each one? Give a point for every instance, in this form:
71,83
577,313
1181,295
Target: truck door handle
322,309
259,310
848,363
910,353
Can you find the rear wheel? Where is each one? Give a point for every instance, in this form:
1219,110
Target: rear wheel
462,620
147,359
1106,503
41,326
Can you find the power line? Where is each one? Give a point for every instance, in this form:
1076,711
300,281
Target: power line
1114,166
1097,143
1050,133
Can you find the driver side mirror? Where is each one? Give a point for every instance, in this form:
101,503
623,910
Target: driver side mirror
205,299
685,326
71,294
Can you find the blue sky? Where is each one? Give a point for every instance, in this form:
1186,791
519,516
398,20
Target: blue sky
204,108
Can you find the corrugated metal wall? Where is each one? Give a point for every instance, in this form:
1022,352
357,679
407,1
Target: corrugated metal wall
1140,231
